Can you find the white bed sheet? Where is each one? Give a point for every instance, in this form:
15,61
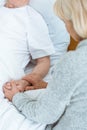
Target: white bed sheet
12,119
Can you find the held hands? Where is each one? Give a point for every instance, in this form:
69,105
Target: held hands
35,82
32,78
15,86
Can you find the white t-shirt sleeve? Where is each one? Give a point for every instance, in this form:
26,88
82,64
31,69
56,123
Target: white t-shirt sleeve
39,41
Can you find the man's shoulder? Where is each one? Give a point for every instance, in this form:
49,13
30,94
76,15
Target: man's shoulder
33,12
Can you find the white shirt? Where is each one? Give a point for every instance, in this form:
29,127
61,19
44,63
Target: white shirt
57,30
23,34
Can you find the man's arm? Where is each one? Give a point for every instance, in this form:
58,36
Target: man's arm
39,71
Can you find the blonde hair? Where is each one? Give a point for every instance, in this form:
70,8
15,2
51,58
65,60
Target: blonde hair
76,12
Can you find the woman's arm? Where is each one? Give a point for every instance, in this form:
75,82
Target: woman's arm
50,106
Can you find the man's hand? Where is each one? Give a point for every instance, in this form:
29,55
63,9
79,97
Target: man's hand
21,84
40,85
32,78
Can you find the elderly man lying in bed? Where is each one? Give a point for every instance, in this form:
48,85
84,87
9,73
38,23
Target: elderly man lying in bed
21,39
32,42
22,46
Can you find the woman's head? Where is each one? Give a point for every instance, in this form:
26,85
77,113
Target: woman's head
74,14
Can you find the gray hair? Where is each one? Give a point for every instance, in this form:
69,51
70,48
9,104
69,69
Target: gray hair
76,12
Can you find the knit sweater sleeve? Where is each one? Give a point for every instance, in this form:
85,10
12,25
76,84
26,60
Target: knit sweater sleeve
50,106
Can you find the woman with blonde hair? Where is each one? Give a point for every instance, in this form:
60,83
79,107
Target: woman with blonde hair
63,106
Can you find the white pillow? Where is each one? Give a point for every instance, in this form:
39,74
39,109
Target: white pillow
57,30
2,2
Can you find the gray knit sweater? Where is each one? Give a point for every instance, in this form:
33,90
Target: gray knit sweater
63,106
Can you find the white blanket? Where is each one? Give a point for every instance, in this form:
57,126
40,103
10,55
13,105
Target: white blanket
11,119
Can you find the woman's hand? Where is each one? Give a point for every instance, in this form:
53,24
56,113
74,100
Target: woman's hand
20,84
15,86
9,93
